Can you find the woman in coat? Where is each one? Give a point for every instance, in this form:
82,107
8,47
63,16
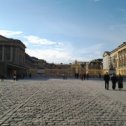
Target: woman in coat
120,82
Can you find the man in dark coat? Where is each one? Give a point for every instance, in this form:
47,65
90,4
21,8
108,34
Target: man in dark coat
114,80
106,79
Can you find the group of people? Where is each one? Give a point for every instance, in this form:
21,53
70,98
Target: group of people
114,79
82,76
15,77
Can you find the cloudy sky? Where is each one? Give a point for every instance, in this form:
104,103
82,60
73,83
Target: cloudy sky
61,31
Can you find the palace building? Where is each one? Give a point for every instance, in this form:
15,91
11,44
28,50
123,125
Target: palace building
95,68
12,57
115,61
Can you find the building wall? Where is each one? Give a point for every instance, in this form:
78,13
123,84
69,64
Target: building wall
58,72
93,68
121,68
12,56
117,60
106,62
9,53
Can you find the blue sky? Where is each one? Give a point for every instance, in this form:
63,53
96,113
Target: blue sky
62,31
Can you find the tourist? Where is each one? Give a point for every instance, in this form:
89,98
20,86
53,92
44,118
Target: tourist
120,82
106,79
87,76
114,80
30,75
84,76
81,76
14,77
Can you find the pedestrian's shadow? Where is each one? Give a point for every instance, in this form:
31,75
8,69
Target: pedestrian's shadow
118,90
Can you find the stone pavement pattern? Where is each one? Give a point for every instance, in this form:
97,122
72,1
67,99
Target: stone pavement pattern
58,102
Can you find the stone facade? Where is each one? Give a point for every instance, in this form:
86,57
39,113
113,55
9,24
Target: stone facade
117,60
95,68
106,61
12,57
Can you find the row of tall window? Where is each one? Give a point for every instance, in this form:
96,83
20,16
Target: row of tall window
5,53
14,54
122,58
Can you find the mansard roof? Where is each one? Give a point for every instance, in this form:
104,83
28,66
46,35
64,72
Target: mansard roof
5,40
120,46
106,53
2,38
96,60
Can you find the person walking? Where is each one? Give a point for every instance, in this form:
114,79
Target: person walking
106,79
87,76
114,80
84,76
14,77
120,82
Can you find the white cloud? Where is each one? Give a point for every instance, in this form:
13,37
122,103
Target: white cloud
67,54
50,55
8,33
56,52
40,41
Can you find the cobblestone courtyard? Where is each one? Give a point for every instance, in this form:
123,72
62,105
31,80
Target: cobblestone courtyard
57,102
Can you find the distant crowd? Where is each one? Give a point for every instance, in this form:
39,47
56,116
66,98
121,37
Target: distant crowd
16,77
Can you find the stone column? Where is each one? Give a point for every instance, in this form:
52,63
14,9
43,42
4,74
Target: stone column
3,53
11,54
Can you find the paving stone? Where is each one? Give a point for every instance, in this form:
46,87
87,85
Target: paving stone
56,102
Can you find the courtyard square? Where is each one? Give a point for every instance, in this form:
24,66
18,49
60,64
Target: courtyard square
58,102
